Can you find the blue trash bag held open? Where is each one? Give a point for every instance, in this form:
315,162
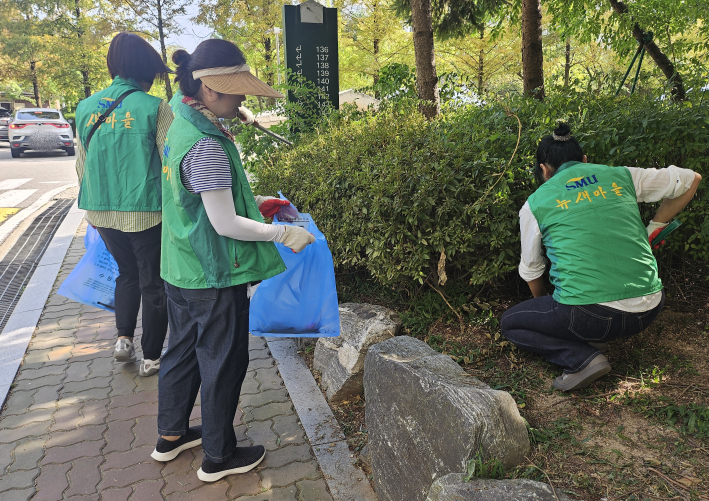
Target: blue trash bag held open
301,301
93,279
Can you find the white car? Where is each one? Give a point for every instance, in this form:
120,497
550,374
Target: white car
5,118
41,129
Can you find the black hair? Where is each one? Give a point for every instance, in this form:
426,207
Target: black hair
554,153
130,56
211,53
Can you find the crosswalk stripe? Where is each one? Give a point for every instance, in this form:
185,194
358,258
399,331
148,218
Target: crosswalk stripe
5,213
13,198
11,184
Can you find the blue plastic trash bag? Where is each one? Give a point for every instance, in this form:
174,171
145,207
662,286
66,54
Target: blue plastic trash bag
93,279
301,301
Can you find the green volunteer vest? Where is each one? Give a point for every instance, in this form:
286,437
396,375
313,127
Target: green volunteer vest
122,168
591,227
193,254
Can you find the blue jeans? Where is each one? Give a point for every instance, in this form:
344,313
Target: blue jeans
560,332
208,346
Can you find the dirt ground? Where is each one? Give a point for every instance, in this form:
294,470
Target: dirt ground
640,433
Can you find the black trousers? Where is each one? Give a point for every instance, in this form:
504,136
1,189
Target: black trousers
138,257
208,349
561,332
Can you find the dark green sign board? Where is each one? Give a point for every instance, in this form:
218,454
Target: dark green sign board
310,38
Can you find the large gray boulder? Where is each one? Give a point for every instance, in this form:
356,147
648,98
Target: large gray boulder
341,359
453,487
426,417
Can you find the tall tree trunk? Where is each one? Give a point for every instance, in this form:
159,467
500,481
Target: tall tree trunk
375,78
426,77
661,60
163,50
567,65
35,84
532,55
375,49
268,58
87,84
258,98
481,64
79,36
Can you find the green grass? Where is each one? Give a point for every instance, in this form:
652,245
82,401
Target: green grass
477,467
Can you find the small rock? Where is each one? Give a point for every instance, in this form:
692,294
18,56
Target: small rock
453,487
426,417
341,359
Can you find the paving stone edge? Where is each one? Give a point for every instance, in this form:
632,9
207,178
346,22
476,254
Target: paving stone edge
346,482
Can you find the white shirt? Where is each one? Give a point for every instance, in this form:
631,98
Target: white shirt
651,185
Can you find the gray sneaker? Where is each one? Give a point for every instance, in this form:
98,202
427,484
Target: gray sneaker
596,368
602,347
149,367
124,351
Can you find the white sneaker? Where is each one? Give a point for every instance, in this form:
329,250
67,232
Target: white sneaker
124,351
149,367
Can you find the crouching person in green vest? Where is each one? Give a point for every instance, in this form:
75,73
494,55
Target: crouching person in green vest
119,171
214,246
602,267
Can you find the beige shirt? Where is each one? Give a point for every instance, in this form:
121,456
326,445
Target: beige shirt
128,221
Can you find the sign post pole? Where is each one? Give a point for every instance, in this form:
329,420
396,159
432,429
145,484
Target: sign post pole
310,39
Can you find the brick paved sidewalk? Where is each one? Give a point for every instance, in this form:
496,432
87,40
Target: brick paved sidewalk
78,425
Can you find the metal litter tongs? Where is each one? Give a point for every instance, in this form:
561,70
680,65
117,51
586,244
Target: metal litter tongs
264,129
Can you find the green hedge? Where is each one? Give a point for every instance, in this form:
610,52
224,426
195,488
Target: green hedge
391,190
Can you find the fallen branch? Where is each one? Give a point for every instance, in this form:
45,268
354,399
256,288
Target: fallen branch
460,317
586,397
676,484
545,474
627,494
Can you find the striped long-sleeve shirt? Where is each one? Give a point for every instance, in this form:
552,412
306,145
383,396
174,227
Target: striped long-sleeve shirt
128,221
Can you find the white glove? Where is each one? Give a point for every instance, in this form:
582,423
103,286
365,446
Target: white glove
296,238
653,226
251,290
260,199
247,114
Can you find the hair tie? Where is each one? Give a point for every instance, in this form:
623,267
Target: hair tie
561,138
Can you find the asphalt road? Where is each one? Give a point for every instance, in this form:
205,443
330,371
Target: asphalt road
23,180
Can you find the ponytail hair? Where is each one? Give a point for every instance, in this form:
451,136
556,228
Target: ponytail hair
210,53
555,150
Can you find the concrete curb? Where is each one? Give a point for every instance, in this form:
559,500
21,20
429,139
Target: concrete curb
346,482
18,331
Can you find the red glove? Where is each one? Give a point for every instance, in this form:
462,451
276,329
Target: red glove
653,236
269,207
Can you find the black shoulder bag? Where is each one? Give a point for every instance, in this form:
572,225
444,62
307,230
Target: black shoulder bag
102,118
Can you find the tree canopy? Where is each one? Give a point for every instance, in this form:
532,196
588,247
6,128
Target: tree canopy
55,49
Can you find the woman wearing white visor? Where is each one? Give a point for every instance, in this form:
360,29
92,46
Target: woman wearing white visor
214,245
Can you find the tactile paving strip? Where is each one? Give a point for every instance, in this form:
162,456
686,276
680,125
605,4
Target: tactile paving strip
20,262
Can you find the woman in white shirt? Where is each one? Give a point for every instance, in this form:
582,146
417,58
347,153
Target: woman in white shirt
602,267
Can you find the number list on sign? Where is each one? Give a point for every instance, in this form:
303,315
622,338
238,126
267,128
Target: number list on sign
310,37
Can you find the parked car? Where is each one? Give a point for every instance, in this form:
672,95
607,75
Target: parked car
41,129
5,118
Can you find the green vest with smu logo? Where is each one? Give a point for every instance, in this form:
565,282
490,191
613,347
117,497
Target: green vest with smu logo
122,168
591,227
193,254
